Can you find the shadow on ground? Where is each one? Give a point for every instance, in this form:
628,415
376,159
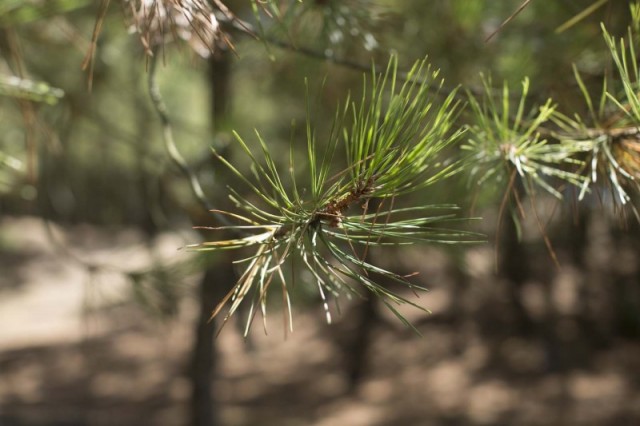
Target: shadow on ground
117,366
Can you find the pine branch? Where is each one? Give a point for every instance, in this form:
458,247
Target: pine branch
504,140
393,137
609,138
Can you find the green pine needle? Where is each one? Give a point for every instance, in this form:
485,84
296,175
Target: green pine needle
610,140
392,137
503,140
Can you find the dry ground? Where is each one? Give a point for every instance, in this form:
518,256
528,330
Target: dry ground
75,350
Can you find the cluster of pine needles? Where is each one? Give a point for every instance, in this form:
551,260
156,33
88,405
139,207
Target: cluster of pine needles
546,150
392,139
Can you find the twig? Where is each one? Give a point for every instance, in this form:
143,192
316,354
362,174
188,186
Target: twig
246,28
545,235
509,19
170,145
88,61
503,205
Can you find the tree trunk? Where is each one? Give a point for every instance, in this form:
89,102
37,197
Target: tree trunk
216,281
514,268
358,348
213,286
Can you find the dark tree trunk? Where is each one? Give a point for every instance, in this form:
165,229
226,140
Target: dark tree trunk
203,361
512,266
213,286
216,281
358,348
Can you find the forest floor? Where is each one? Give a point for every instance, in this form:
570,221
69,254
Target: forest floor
76,349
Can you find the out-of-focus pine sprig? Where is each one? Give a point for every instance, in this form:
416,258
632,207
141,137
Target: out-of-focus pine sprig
16,83
191,20
610,137
36,91
504,144
392,137
158,22
12,169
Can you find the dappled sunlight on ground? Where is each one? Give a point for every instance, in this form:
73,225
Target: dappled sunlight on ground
78,351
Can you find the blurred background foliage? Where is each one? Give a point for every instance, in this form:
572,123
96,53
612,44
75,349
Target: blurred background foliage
71,155
113,124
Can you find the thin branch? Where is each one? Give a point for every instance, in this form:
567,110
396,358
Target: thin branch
246,28
170,145
545,236
509,19
503,205
580,16
88,61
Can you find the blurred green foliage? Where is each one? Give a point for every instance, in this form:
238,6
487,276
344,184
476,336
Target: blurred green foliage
97,156
18,12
